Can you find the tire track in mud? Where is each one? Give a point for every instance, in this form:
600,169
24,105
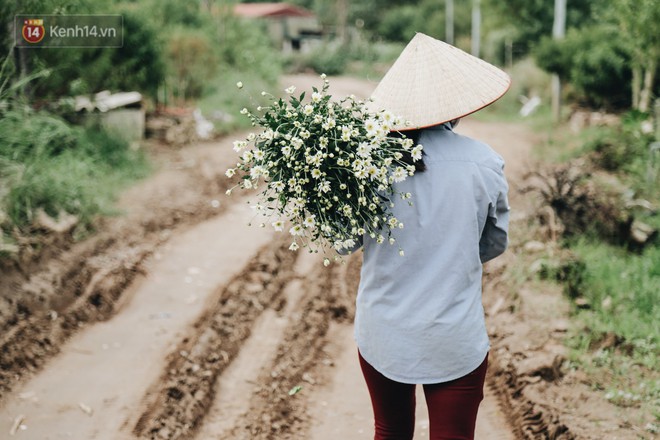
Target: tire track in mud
85,283
279,406
530,420
178,402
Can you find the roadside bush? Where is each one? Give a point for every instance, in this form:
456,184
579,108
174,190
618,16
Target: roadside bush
625,150
138,65
621,289
595,61
328,58
191,62
46,163
244,53
244,45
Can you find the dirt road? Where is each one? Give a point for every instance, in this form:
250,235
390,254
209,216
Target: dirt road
218,326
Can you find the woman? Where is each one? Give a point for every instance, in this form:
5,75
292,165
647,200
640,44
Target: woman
419,317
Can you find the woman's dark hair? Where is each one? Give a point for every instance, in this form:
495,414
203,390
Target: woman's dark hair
414,135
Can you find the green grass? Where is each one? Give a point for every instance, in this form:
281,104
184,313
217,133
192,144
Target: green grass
623,293
224,96
46,163
623,290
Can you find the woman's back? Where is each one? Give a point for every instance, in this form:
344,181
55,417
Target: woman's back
419,317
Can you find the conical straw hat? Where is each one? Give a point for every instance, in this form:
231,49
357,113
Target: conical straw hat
433,82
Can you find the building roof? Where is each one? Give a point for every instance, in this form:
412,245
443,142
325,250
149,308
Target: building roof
257,10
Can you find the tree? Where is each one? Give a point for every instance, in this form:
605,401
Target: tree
638,25
533,19
594,61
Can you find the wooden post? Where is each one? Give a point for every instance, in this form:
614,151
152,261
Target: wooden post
449,21
342,20
656,112
558,33
476,27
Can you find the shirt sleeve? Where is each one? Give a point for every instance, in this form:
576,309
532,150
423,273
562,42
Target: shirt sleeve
494,237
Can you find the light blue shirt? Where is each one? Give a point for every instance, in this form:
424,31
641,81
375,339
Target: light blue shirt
419,317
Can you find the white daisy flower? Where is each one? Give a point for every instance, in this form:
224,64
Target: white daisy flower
230,172
345,133
257,171
364,149
290,90
309,221
316,97
416,153
296,230
308,109
387,116
239,145
399,174
268,135
294,246
278,225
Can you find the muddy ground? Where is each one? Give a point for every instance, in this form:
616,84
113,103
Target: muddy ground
178,321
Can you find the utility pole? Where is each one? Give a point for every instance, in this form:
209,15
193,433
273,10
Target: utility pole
558,33
342,20
449,21
476,27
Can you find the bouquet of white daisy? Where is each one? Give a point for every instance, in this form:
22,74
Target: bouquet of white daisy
325,169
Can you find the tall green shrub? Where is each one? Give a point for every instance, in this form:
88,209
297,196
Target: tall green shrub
594,61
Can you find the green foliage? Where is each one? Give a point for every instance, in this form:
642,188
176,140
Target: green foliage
527,80
46,163
361,58
625,150
621,289
594,61
531,20
400,23
192,62
168,13
638,27
135,66
244,45
329,58
225,98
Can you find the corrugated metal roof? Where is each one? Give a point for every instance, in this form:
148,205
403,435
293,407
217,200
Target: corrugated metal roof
270,10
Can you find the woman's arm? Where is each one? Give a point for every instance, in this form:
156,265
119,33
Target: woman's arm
494,238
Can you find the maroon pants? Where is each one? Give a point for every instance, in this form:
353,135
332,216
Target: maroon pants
452,405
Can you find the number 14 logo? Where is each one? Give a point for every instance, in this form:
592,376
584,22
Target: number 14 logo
33,30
